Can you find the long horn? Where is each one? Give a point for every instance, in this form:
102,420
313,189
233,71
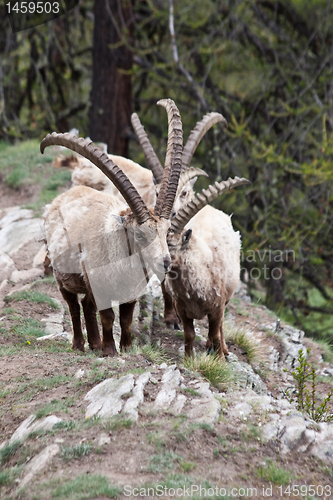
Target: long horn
151,157
184,215
197,134
173,160
106,165
187,175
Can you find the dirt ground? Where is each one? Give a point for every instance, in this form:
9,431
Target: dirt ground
160,449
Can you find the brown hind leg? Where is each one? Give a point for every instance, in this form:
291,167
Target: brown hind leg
74,309
126,318
189,333
89,311
216,340
108,345
170,316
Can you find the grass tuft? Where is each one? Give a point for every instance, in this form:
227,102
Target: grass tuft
212,367
246,342
8,451
163,462
31,296
86,487
78,451
273,474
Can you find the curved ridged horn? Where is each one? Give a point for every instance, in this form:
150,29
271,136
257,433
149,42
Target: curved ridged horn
106,165
184,215
197,134
187,175
151,157
173,160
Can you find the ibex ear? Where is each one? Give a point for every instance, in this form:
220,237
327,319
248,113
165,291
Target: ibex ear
186,237
119,219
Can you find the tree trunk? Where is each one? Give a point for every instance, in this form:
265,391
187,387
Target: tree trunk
110,111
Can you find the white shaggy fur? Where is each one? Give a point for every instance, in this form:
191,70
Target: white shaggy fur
204,272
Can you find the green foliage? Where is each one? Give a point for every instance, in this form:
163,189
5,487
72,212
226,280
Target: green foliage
212,367
7,476
85,487
306,399
54,406
246,342
273,474
29,327
65,425
78,451
31,296
163,462
8,451
117,422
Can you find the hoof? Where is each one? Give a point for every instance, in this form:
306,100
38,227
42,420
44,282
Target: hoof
109,352
78,347
124,348
95,347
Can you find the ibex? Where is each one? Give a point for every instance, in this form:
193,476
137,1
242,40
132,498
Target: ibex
187,179
85,173
205,264
91,234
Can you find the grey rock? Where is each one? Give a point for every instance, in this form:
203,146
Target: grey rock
244,375
17,234
106,398
170,381
14,214
30,274
79,374
31,425
293,434
132,403
205,409
7,266
179,404
38,463
103,439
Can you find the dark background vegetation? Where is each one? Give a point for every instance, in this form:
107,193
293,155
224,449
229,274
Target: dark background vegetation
266,65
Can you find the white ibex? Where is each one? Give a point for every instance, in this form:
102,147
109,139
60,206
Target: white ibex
205,264
91,234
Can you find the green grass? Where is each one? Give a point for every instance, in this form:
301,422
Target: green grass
29,327
65,425
23,165
31,296
43,384
156,439
7,476
163,462
187,466
154,354
8,451
213,368
270,472
116,423
247,343
78,451
85,487
54,406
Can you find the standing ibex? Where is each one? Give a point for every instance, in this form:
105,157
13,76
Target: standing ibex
205,264
87,174
187,179
92,237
